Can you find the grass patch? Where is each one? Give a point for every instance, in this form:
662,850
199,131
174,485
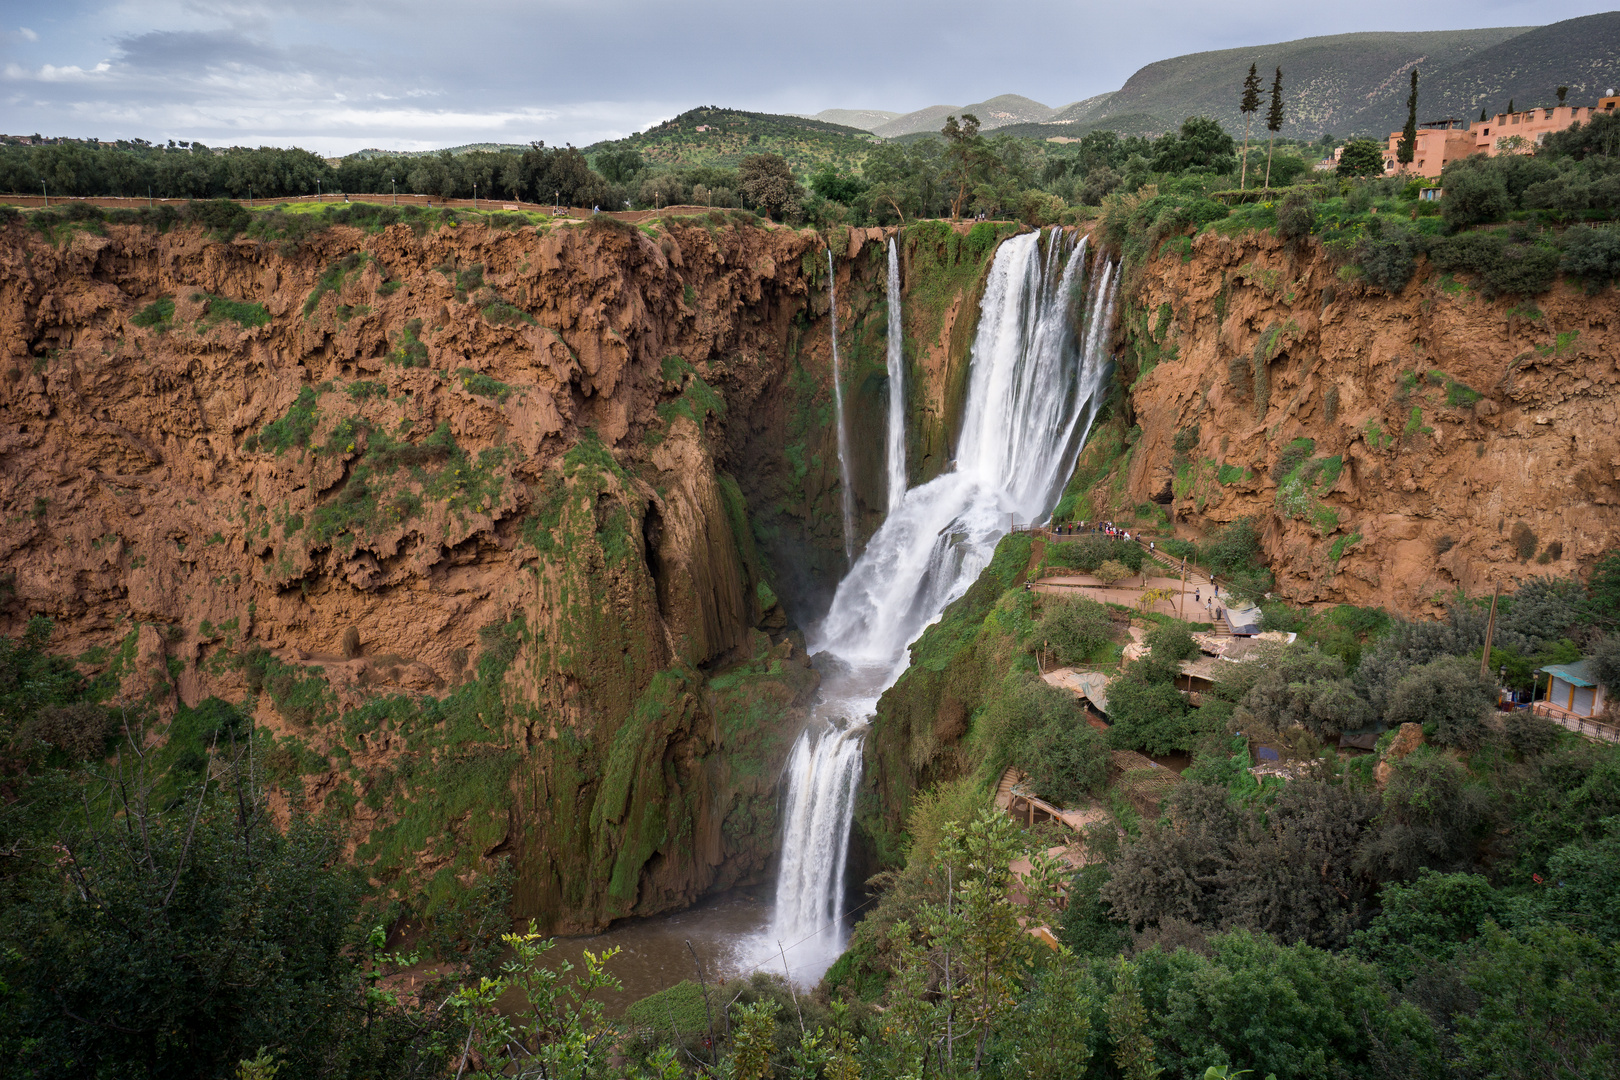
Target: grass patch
244,313
157,316
293,429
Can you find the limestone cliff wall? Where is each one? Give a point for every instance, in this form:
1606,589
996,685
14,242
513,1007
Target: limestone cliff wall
488,526
1440,421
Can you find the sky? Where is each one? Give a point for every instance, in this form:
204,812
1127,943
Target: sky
336,76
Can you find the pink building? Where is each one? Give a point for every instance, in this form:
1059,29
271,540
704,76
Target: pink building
1522,132
1437,145
1440,143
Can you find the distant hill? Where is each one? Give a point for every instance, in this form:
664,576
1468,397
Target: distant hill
371,152
1329,83
865,119
995,113
1582,54
732,134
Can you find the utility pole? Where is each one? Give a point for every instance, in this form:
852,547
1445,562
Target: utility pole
1490,632
1182,605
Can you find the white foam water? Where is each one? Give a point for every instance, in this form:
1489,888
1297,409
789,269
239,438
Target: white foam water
1038,365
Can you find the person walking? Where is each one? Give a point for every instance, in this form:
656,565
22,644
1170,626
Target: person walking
1197,597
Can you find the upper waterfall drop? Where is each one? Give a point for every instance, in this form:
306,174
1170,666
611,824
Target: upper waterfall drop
1037,367
897,387
845,483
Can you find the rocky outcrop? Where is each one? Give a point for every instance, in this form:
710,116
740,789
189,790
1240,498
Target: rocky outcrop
1454,441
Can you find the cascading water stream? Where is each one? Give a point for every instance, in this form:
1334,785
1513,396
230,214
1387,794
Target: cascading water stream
846,485
897,387
1038,363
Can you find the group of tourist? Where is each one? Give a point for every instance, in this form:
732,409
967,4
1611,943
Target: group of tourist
1106,528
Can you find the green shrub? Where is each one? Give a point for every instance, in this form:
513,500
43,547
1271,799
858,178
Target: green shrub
1066,758
1293,455
1593,255
1075,628
1296,217
1388,257
1524,541
1475,193
293,429
409,350
244,313
1501,266
158,315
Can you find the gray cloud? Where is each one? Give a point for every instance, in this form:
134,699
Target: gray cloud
336,75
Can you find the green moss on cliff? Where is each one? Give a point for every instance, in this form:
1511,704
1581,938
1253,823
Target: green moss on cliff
954,667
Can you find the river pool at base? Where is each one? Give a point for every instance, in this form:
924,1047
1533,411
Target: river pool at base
731,935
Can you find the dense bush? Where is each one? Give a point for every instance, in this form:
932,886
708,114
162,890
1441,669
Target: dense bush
1501,264
1448,697
1593,255
1475,192
1388,256
1296,216
1075,628
1090,550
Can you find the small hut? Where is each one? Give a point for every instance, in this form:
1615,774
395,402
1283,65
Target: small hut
1574,689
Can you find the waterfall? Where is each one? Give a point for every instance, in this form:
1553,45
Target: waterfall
897,387
1038,365
846,485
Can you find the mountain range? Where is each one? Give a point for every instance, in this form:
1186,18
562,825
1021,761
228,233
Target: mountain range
1344,84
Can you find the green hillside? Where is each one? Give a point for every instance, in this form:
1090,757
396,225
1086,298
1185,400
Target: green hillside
1582,54
733,134
1329,82
467,148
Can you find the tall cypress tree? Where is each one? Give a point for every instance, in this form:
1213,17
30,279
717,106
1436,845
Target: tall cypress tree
1482,115
1248,106
1406,149
1274,120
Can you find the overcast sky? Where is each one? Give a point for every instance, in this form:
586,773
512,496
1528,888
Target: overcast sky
338,75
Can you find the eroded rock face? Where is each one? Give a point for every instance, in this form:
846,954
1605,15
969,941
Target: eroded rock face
498,532
1441,421
363,453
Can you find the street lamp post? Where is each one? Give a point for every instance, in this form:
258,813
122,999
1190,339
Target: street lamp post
317,191
475,195
393,192
43,188
250,194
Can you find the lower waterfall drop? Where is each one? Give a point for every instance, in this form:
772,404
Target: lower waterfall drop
1038,364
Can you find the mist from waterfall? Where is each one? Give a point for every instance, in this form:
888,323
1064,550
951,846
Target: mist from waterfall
1037,368
845,484
897,387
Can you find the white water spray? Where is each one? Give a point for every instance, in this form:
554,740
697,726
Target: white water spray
897,387
845,484
1039,361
